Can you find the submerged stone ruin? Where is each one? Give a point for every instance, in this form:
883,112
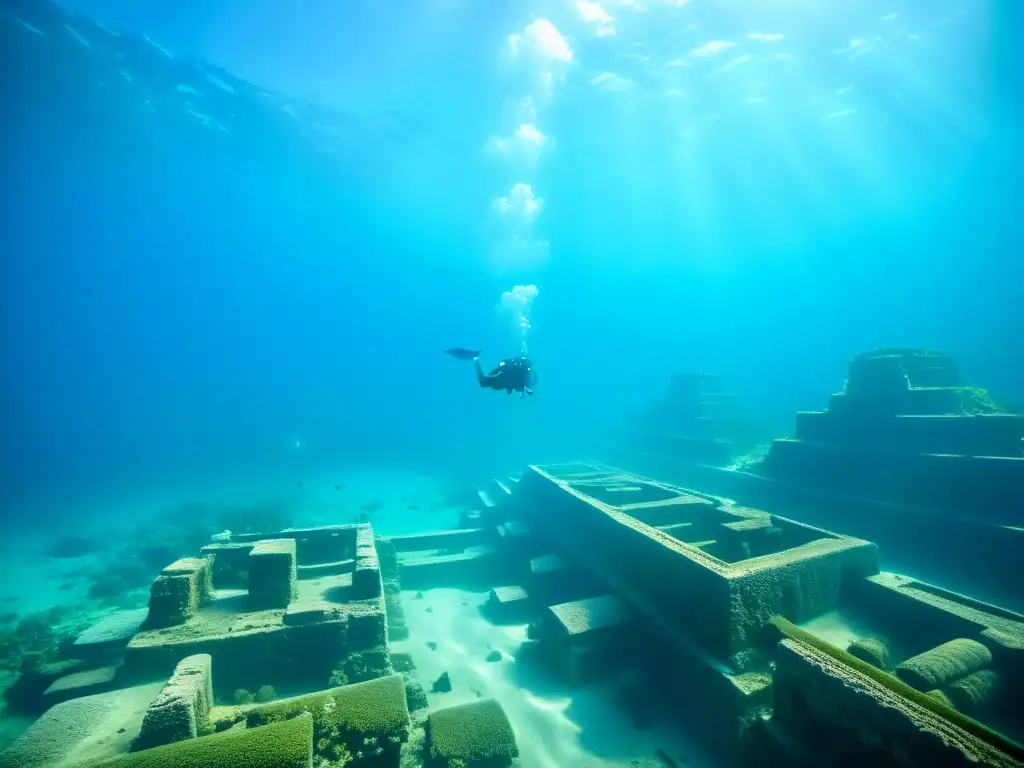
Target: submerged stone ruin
700,420
907,455
906,429
784,643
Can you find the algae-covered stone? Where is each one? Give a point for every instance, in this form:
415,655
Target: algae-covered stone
287,744
366,578
272,574
415,696
478,734
872,650
367,624
345,718
182,710
937,667
974,691
179,590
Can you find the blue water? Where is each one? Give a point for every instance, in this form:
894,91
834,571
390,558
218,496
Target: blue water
758,189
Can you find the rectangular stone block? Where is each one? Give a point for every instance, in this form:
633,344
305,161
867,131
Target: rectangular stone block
366,579
367,624
80,684
474,568
110,636
179,590
182,709
272,574
583,636
509,604
459,538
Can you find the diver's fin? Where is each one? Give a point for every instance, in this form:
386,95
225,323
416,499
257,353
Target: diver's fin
463,354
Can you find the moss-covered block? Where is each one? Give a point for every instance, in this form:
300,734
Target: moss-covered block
179,590
353,718
366,578
478,734
367,624
974,691
944,664
109,636
872,650
182,710
287,744
879,698
272,574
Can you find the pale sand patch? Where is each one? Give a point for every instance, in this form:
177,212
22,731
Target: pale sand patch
556,725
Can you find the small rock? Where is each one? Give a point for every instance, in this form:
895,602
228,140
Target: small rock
419,596
431,645
494,656
430,609
265,693
443,684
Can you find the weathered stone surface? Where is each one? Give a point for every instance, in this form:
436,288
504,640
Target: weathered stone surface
272,574
366,578
182,710
815,692
109,636
179,590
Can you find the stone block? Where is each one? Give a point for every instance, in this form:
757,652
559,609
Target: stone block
348,717
182,709
474,735
109,636
846,710
285,744
179,590
78,684
509,605
272,574
366,579
367,624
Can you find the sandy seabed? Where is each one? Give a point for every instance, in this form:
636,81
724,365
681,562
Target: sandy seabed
556,726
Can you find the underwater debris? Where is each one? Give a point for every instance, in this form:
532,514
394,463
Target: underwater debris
494,656
443,684
431,645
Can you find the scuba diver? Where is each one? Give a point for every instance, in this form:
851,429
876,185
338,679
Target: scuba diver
514,374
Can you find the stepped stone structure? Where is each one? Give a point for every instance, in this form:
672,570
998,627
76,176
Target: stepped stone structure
698,420
906,429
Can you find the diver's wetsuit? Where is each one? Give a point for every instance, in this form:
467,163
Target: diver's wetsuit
514,374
